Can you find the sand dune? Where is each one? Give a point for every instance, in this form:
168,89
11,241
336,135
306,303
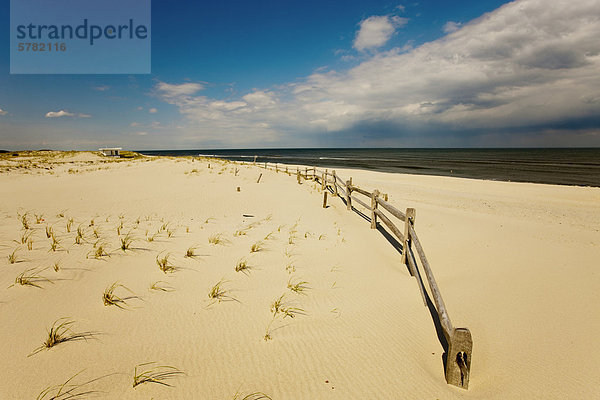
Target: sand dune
516,263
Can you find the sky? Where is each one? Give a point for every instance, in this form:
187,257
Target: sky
284,74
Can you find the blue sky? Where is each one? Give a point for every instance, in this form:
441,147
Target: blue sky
239,74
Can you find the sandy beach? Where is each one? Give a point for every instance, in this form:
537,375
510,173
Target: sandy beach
262,291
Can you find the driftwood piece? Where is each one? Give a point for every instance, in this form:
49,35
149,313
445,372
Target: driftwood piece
258,180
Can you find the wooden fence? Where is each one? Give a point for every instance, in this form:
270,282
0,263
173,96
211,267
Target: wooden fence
458,343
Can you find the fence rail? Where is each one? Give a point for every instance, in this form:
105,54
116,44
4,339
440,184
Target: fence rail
459,344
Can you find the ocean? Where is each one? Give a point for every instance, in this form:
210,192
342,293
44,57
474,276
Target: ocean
560,166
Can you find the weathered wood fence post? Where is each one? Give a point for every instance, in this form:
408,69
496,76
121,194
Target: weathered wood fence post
411,214
335,188
373,208
348,193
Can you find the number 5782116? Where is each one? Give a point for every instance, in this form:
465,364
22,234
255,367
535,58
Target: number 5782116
42,47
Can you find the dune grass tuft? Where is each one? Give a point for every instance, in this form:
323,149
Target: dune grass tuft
256,247
60,332
12,257
282,307
158,374
126,242
161,286
30,277
163,263
49,231
216,239
109,298
68,390
219,293
54,245
191,252
297,287
243,267
69,225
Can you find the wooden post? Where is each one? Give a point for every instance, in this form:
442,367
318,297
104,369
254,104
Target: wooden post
265,165
258,180
324,176
306,173
325,199
286,170
411,214
335,189
255,160
458,358
276,168
373,207
298,175
314,173
348,193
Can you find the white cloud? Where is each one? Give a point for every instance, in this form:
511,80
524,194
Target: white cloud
101,88
58,114
152,110
2,112
63,113
524,67
143,133
375,31
184,89
451,26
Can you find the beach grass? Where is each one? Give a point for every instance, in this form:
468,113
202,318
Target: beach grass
109,298
158,374
60,332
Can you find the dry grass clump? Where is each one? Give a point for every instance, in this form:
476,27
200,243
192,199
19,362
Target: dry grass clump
191,252
68,390
158,374
217,238
80,235
69,225
60,332
100,251
284,308
126,242
243,267
56,266
24,220
163,263
297,287
219,293
161,286
49,231
24,237
12,257
55,244
109,298
30,277
256,247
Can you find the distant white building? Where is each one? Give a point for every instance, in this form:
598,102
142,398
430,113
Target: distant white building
111,151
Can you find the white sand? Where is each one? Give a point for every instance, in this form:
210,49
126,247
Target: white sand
516,264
